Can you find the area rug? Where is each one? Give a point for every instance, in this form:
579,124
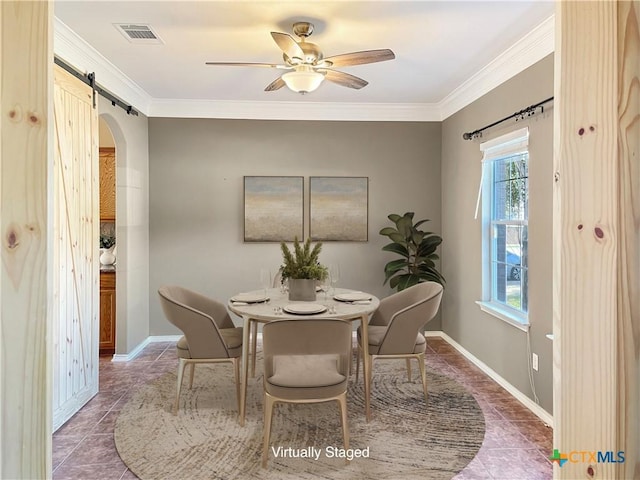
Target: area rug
405,439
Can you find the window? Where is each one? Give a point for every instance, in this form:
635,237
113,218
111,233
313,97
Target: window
505,213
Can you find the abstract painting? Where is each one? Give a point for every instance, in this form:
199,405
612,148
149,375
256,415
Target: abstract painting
338,208
273,209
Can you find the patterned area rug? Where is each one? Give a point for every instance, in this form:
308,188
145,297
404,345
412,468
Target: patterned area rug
404,440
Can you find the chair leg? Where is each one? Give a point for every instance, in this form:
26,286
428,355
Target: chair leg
236,368
254,346
423,374
268,413
191,373
342,403
368,374
409,369
181,365
358,354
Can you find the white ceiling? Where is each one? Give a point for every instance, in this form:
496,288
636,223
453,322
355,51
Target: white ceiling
439,45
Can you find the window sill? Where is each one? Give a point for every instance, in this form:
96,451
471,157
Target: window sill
521,323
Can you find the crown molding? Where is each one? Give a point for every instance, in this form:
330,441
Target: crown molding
372,112
71,48
531,48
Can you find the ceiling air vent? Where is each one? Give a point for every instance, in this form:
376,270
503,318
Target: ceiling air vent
138,33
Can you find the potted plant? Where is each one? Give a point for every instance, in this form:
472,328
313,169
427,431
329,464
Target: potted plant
417,249
302,269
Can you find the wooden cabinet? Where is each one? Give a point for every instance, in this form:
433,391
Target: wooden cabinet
107,313
107,184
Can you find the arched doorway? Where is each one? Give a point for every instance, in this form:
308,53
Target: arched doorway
108,246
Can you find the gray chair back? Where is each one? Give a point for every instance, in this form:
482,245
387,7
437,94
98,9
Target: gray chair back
322,336
405,313
199,318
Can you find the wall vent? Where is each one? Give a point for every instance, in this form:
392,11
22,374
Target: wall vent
138,33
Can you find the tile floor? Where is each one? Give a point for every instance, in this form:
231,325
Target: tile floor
516,445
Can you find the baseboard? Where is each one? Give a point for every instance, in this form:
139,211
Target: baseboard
164,338
120,357
125,357
536,409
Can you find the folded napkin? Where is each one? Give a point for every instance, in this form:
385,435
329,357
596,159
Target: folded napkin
361,302
235,302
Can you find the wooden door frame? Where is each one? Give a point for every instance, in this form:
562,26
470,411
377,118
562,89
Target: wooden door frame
597,239
26,83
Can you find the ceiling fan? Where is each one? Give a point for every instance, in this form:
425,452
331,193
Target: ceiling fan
307,66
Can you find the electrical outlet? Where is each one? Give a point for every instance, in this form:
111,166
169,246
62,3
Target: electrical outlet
534,361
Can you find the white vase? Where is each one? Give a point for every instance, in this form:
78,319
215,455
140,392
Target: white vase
107,257
303,289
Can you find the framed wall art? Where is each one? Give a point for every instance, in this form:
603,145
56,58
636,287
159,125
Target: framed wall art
338,209
273,209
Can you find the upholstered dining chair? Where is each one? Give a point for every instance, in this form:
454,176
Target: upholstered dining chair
209,333
305,361
394,329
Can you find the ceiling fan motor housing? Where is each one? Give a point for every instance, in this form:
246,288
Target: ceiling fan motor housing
312,54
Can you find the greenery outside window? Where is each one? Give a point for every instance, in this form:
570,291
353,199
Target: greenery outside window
505,213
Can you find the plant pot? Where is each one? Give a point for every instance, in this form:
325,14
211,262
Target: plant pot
303,289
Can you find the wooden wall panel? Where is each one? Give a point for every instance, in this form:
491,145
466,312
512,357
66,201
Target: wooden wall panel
25,378
628,292
597,238
76,231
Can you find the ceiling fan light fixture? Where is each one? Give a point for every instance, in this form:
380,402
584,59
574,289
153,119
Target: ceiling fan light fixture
303,80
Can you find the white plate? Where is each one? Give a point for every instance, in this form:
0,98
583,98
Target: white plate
250,298
352,297
304,308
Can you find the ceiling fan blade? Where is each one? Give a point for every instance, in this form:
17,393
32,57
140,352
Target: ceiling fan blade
288,45
361,58
277,84
344,79
244,64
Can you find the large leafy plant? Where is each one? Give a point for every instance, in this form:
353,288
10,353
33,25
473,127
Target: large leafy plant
303,261
417,249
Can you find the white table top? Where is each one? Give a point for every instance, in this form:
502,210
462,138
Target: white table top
266,311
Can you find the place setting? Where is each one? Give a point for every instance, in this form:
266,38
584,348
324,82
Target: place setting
304,308
260,296
354,298
249,298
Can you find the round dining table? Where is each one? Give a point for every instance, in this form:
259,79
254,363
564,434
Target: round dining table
266,305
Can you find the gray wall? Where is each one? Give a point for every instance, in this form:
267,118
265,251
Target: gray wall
131,138
498,344
196,196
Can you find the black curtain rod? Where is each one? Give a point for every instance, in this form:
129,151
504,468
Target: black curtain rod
526,112
90,79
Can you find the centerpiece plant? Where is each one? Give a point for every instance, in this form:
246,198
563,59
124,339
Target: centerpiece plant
301,269
417,249
303,261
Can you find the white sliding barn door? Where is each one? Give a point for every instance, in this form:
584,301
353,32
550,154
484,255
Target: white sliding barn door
76,231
